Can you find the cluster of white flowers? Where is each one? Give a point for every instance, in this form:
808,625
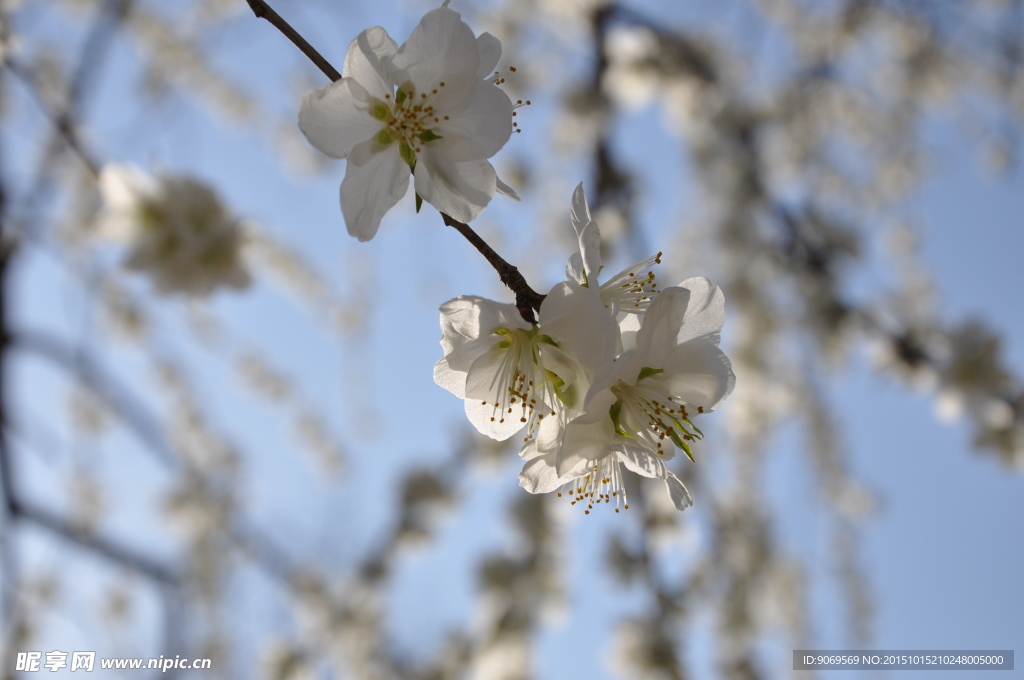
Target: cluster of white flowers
611,375
430,105
176,230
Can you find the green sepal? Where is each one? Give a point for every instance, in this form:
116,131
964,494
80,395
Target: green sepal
401,96
419,202
407,153
547,340
428,136
681,443
567,395
615,411
380,110
647,372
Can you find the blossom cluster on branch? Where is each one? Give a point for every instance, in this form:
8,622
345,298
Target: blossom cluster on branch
611,374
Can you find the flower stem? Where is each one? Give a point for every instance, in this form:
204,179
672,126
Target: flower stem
527,299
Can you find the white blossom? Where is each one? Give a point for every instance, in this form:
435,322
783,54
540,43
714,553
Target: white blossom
176,229
430,105
643,406
514,374
628,292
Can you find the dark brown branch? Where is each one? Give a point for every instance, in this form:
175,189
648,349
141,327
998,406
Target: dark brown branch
263,11
527,299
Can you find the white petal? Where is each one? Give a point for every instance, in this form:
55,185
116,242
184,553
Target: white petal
657,335
590,251
450,379
467,331
574,269
469,317
585,443
506,190
461,190
699,373
479,126
334,120
678,493
367,61
579,212
629,325
577,320
370,190
539,476
645,464
441,49
485,382
490,53
705,311
124,186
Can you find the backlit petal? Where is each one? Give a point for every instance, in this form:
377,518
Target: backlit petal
705,311
370,190
479,126
699,373
490,53
441,49
334,120
461,190
368,61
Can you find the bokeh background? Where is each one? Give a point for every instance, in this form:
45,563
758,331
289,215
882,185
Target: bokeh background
271,479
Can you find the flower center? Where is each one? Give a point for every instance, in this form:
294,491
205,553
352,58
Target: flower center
523,384
631,290
410,118
601,484
650,417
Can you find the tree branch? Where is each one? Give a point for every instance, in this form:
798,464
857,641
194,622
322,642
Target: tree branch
119,400
527,299
97,544
263,11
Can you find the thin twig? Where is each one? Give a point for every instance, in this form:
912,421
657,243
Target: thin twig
527,299
263,11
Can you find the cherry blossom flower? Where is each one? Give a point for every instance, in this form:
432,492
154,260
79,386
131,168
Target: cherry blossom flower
628,292
513,374
177,230
643,406
430,105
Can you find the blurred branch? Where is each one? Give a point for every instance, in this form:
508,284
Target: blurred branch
117,398
104,547
62,121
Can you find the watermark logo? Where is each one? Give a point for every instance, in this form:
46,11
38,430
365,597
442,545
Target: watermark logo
31,662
